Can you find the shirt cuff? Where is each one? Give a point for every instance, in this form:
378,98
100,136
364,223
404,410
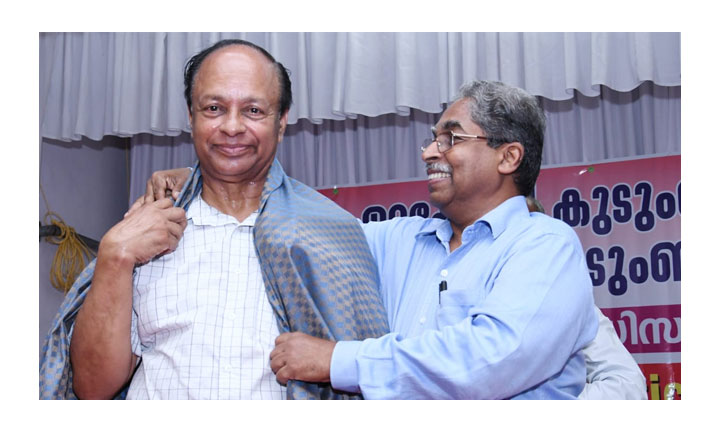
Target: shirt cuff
343,366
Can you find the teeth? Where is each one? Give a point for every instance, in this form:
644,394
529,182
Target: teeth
438,175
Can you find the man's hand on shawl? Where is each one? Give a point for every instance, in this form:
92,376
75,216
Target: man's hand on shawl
301,357
146,231
162,184
166,184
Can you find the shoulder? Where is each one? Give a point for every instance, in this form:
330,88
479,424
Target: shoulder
540,232
511,221
294,200
545,224
397,235
403,225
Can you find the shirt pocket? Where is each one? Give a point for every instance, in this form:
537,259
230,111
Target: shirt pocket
455,306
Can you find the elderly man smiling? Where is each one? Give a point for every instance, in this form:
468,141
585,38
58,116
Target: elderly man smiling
187,304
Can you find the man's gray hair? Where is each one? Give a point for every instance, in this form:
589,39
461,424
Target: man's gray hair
509,114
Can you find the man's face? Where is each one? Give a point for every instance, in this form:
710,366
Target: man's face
234,118
466,175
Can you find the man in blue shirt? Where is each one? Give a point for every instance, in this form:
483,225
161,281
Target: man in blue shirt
494,302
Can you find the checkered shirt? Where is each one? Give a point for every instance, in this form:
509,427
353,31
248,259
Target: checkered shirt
202,323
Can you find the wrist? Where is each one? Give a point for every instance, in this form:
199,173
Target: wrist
115,254
343,366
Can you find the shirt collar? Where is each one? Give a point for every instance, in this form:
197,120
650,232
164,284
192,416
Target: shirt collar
202,213
438,227
501,216
497,220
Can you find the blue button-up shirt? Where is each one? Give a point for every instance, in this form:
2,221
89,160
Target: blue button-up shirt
517,311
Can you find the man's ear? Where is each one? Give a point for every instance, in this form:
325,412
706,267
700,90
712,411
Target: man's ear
282,125
190,120
512,154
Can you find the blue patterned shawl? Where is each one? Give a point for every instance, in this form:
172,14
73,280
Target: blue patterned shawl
318,271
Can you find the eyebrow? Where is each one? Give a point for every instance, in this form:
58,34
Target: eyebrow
209,98
451,124
447,125
220,98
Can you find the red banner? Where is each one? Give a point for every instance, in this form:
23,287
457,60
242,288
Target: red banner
652,329
384,201
627,215
663,380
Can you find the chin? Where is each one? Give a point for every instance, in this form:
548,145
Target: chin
235,163
439,203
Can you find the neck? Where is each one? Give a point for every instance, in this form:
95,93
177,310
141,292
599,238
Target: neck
235,199
462,215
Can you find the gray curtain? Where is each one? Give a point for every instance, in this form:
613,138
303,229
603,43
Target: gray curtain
97,84
364,101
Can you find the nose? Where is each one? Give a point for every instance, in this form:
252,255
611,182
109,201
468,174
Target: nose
233,124
431,153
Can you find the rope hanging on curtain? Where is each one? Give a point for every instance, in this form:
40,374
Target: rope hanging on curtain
72,255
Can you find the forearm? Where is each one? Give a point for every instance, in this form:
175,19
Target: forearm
519,336
100,350
455,363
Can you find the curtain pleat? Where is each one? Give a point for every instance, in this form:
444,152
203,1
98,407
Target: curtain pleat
122,84
363,102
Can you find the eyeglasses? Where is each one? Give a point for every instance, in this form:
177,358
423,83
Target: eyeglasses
445,141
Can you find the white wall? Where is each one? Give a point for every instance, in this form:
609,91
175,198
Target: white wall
85,183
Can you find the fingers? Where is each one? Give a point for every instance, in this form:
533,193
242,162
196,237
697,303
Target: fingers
176,229
163,203
176,214
281,377
136,205
183,223
158,185
277,352
175,232
278,359
149,195
283,338
298,356
167,183
177,221
177,187
279,366
151,228
277,362
175,224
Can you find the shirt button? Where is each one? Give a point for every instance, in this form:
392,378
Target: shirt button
422,320
231,316
444,273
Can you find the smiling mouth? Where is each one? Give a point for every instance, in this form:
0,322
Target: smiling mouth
232,149
437,171
438,175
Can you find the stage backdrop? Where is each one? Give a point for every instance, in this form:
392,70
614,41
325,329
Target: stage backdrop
627,215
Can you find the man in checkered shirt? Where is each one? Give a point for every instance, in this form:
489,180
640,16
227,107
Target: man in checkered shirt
195,323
